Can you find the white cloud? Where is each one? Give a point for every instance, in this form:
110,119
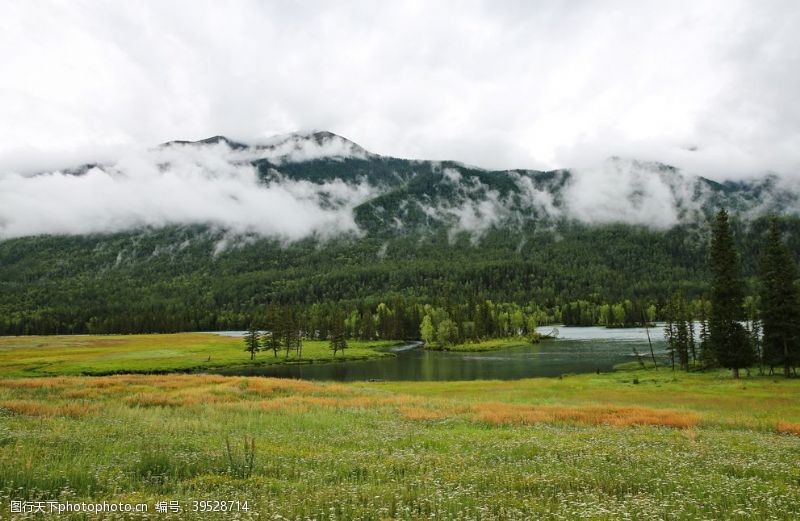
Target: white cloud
622,192
502,85
177,185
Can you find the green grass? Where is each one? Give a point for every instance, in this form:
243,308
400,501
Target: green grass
111,354
674,446
484,345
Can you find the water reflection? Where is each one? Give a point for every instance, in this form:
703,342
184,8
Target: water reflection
577,350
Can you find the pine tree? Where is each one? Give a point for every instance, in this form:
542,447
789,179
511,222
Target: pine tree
751,305
272,341
670,333
677,331
727,338
702,311
252,341
780,304
337,332
682,332
287,328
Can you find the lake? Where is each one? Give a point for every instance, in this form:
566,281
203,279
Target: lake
576,350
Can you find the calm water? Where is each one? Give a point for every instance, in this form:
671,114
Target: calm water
577,350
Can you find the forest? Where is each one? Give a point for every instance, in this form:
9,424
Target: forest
198,279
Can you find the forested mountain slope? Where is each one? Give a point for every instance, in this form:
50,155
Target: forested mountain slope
362,229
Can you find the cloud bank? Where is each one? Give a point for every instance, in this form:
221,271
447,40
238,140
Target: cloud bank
182,184
708,86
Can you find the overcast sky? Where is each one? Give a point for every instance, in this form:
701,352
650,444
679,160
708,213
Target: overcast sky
711,86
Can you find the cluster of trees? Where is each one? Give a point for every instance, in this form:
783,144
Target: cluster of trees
446,326
679,332
737,332
283,332
625,313
471,321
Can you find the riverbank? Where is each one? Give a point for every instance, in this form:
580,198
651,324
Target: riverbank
676,445
493,344
158,353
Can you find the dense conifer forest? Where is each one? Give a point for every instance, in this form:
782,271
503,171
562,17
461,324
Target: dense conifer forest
195,278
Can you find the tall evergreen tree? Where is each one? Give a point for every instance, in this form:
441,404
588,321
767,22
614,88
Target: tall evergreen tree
702,309
252,341
670,330
780,304
338,340
727,337
272,340
682,332
753,323
677,331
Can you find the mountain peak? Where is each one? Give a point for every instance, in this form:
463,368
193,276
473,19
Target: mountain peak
213,140
286,148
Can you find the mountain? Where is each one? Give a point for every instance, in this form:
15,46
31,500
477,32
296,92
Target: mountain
413,194
197,235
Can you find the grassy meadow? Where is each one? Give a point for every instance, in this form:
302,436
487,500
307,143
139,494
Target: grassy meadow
673,446
158,353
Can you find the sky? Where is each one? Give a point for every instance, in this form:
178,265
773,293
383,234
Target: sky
709,86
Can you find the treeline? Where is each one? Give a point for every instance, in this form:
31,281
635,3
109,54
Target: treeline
400,319
619,314
738,332
195,279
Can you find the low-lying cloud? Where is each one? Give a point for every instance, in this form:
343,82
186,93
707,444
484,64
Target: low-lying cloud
179,184
216,184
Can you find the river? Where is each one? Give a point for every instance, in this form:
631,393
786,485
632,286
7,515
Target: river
576,350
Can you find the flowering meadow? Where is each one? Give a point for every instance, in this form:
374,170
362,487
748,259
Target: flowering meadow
672,446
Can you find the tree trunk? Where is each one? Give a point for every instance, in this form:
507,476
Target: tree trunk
652,353
735,372
787,369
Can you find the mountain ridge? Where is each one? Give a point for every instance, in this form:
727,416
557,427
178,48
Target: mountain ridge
202,236
317,183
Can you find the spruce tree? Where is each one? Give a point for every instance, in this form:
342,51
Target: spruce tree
273,341
780,304
252,341
727,337
682,331
677,332
338,338
670,331
702,311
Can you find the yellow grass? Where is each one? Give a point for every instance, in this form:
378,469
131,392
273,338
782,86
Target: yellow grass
788,428
48,410
502,413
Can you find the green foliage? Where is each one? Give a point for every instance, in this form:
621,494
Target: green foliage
727,338
426,329
337,333
182,279
241,465
678,331
780,304
252,341
446,332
